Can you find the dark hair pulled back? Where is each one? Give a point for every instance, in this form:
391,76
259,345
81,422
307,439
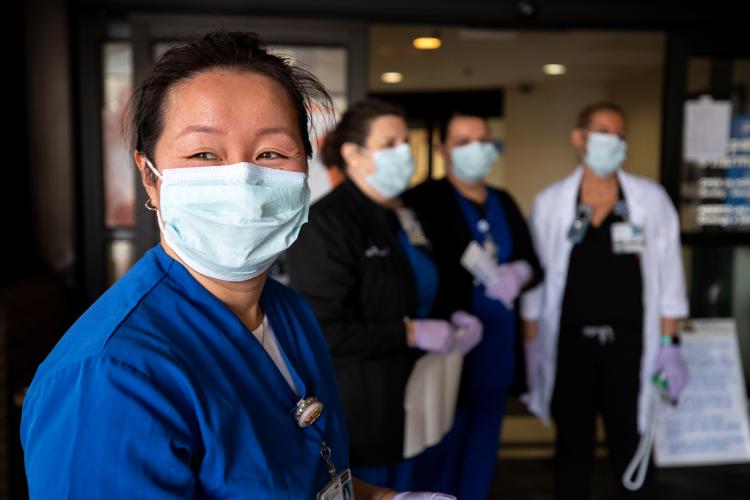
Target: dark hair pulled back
354,127
234,50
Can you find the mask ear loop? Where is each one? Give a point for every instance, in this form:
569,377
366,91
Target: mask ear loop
148,204
153,169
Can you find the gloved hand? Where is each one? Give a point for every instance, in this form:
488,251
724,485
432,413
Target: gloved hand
533,352
434,335
422,495
509,280
669,361
472,330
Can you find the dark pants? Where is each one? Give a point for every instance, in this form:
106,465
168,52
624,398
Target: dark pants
596,374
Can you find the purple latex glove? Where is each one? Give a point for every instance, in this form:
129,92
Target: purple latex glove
669,361
509,281
434,335
533,352
472,330
423,495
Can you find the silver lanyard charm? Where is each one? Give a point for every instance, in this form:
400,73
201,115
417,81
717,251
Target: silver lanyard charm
489,242
325,453
580,225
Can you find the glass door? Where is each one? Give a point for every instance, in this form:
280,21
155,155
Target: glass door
706,169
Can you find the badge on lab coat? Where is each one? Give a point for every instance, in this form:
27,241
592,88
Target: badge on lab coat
339,488
627,238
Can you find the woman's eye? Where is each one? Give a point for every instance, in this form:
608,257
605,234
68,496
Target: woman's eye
269,155
204,156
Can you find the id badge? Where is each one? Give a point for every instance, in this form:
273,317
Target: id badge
339,488
412,227
479,263
627,238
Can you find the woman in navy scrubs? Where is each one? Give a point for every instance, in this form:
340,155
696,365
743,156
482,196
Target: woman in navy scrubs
196,376
458,210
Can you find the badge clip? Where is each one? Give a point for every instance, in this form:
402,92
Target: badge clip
307,412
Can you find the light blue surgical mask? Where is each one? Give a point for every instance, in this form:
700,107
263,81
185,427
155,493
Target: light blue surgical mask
230,222
473,161
393,170
604,153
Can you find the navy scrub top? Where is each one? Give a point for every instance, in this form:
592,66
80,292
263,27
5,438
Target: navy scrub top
159,391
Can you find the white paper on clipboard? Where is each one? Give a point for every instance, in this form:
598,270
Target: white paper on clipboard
706,130
710,424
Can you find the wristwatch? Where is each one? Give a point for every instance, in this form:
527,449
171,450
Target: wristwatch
668,339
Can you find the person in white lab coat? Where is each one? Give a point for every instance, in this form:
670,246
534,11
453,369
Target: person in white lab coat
605,319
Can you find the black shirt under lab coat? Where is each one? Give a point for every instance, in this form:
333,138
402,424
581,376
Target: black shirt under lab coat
348,263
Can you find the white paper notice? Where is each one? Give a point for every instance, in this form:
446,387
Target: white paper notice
706,131
710,424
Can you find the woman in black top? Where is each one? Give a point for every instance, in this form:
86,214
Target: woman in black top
364,264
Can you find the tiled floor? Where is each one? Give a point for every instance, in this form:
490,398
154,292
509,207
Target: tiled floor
531,479
525,469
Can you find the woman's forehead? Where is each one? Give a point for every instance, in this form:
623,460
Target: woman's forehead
463,124
385,124
228,99
607,117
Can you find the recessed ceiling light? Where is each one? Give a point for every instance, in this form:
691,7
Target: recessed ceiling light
427,42
554,69
392,77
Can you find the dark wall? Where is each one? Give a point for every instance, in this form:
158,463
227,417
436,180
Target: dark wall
548,14
15,187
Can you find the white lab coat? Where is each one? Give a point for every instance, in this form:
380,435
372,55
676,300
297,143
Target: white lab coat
663,295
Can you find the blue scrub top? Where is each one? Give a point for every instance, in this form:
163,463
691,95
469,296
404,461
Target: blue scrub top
425,275
490,367
159,391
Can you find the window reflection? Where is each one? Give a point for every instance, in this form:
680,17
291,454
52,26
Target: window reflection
119,171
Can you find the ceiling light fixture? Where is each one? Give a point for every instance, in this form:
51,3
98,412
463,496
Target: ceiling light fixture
392,77
431,42
554,69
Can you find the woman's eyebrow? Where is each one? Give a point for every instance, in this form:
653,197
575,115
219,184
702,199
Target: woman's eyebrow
200,129
275,130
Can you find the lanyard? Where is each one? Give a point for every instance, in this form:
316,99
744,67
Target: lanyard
490,231
581,224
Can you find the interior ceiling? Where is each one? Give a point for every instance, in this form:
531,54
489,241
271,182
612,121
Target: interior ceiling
471,58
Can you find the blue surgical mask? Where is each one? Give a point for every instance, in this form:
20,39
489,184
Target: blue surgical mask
393,170
473,161
604,153
230,222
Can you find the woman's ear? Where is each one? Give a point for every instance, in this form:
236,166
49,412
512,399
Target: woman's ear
148,179
351,154
578,138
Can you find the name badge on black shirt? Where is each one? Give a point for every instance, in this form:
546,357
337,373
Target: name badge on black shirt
627,238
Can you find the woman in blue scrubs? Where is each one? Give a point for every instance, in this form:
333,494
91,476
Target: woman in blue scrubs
458,211
196,376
